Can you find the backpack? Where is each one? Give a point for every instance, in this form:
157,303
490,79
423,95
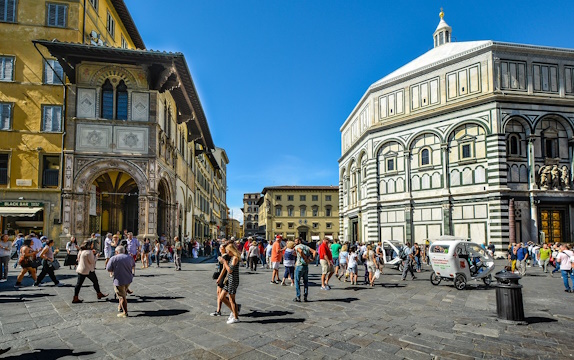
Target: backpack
402,254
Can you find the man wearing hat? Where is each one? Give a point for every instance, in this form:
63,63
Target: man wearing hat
276,255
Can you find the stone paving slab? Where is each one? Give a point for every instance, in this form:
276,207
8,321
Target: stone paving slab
169,319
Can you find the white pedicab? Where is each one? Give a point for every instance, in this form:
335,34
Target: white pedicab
460,261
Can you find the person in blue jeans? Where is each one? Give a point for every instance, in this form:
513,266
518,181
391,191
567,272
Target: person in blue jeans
564,259
304,257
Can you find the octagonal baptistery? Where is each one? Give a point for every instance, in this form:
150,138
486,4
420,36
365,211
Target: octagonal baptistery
473,139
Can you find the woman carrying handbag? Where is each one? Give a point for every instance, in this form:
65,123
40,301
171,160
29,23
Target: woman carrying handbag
26,261
47,256
87,269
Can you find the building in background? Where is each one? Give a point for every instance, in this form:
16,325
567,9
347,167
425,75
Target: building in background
474,139
250,213
219,208
308,212
32,101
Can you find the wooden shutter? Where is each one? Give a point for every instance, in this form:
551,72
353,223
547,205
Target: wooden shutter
61,21
6,68
48,73
47,119
52,14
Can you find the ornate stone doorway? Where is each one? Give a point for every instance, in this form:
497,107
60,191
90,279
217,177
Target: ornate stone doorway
117,205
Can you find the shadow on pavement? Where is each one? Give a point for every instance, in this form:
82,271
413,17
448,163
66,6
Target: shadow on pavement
391,285
48,354
276,321
539,319
260,314
148,298
345,300
158,313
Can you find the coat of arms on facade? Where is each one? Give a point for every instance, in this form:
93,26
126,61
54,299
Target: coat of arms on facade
131,140
94,138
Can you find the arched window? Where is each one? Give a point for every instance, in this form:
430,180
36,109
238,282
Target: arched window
122,101
513,145
425,157
107,100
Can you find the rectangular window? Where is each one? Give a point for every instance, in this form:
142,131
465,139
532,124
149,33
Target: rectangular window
53,72
3,169
290,225
57,15
50,171
315,197
290,197
278,225
315,225
6,68
513,75
278,197
545,77
329,225
315,212
290,211
124,42
390,164
302,198
8,10
327,197
302,212
5,116
277,211
94,4
51,118
466,151
328,212
111,24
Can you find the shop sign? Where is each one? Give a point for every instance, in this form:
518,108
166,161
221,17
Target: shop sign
22,203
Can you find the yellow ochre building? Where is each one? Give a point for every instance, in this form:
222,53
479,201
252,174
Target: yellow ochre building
32,100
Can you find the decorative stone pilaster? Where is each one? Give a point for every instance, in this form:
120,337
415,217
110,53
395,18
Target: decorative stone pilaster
447,218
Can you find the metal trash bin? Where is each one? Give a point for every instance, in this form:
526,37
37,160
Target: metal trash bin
509,305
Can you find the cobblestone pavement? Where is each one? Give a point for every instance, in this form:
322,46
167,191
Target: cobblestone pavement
169,319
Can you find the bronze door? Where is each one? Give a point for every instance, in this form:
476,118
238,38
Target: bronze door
552,225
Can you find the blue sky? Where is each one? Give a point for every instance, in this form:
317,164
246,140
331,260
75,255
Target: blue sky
277,79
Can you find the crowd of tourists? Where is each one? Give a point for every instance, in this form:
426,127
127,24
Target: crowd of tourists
528,255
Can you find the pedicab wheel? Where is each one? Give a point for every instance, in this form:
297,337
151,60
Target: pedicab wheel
460,282
435,279
487,280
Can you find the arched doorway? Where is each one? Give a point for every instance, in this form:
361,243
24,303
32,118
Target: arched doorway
114,203
303,233
163,206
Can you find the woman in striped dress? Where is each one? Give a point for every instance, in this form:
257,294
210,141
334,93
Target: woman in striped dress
227,295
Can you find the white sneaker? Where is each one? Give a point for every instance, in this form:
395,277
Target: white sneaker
232,320
3,280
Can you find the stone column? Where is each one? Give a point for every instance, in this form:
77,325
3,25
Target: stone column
409,224
407,159
445,171
511,222
447,219
532,186
142,211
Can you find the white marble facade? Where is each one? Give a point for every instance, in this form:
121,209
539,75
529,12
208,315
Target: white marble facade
442,144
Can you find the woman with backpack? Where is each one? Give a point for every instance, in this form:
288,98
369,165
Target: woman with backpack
289,261
253,255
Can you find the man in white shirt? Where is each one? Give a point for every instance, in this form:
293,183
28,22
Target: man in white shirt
36,244
565,259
